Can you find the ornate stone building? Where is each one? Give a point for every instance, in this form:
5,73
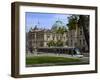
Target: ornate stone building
40,37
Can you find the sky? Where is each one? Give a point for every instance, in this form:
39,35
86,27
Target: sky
43,20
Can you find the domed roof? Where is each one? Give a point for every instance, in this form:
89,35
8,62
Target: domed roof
58,24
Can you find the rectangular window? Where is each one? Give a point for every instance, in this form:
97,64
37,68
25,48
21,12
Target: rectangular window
80,42
83,42
53,37
80,32
71,42
48,37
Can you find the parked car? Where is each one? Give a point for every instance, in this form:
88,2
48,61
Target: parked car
78,53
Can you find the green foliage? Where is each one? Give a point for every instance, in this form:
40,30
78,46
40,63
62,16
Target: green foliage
73,20
59,43
51,43
60,30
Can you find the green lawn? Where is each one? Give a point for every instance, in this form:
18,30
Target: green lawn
48,59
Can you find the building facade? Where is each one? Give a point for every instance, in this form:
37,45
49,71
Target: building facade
77,40
40,37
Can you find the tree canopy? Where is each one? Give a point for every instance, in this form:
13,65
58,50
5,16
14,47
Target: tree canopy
72,20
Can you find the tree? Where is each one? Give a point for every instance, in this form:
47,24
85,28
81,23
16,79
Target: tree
59,43
80,21
84,22
60,30
73,24
51,43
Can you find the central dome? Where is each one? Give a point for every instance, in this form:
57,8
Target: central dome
57,24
